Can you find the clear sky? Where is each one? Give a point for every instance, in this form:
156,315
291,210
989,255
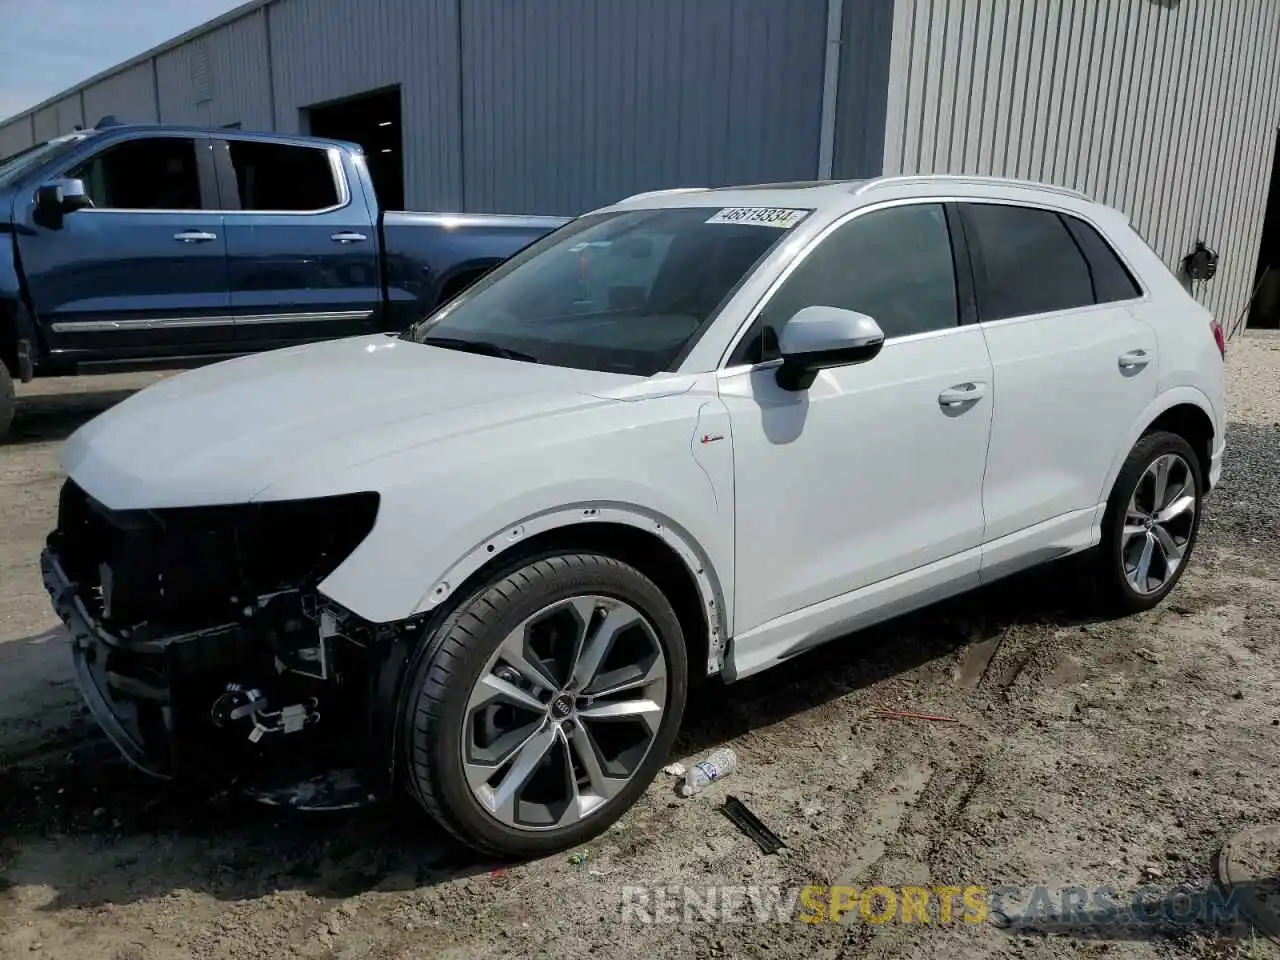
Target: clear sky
49,45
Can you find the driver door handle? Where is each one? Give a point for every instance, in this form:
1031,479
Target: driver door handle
348,236
962,393
195,236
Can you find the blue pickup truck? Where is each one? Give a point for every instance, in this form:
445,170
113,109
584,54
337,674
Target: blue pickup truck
128,245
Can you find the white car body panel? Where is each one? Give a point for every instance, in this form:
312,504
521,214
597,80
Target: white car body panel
1062,407
858,479
801,516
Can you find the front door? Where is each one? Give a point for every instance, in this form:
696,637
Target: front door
876,469
143,271
302,245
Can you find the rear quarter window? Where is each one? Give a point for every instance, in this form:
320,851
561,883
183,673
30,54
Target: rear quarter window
1112,280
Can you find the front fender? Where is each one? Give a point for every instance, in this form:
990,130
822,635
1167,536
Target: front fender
481,495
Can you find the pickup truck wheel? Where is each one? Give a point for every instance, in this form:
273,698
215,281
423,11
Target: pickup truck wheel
1150,524
544,704
8,401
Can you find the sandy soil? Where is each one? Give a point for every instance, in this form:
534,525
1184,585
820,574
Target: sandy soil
1086,752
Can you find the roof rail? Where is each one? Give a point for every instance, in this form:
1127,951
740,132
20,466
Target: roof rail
973,181
659,193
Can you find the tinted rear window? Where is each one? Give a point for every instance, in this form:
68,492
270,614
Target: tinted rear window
1025,262
1111,278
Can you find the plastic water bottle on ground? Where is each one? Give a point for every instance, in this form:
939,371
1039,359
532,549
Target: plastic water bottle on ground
716,767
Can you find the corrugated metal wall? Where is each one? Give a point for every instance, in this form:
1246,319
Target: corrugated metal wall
59,118
324,50
1167,109
15,135
129,95
218,78
570,104
866,32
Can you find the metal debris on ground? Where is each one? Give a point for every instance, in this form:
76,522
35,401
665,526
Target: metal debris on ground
884,713
750,824
977,658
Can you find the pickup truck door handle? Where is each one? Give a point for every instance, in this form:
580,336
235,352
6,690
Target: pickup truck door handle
961,394
348,236
1134,360
195,236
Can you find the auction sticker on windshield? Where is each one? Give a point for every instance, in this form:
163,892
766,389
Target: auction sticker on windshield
763,216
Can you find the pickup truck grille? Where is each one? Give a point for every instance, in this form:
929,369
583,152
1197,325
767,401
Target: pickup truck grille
191,566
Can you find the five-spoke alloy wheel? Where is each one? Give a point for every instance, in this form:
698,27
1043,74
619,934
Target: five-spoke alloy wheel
544,704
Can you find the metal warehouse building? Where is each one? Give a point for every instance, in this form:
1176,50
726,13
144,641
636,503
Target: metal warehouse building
1167,109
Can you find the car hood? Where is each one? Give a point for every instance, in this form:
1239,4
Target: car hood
227,432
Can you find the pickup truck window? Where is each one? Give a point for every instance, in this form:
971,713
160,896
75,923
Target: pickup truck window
15,165
155,173
282,176
621,291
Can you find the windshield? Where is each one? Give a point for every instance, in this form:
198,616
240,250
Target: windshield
14,166
621,291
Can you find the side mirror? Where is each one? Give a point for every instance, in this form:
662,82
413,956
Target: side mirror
817,338
60,197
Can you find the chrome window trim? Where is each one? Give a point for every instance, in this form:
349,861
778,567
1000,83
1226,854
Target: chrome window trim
763,301
335,166
196,140
803,253
969,328
1144,293
213,320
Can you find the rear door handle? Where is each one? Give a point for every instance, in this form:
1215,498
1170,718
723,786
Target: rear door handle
961,394
1133,360
195,236
348,236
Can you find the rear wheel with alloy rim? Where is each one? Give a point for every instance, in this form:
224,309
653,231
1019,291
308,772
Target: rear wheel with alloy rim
545,703
1151,522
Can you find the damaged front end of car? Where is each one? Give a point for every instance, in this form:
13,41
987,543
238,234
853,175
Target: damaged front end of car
206,652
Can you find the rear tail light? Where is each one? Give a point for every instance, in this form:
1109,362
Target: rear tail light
1219,337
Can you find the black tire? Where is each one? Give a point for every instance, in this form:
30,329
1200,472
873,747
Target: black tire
8,401
457,650
1118,595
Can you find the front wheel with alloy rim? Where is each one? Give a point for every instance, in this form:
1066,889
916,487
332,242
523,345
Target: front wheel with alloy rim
1151,521
544,704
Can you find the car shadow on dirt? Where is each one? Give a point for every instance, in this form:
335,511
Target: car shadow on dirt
42,418
74,795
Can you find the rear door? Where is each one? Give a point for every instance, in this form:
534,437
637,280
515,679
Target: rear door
301,246
1074,369
143,271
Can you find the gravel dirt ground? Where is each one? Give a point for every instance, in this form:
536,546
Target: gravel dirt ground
1085,752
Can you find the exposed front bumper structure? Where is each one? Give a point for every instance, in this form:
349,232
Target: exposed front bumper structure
128,687
206,653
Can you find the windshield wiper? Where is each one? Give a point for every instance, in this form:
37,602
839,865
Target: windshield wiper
482,347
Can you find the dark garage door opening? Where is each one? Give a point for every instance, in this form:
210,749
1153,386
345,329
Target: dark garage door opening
1265,309
373,121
